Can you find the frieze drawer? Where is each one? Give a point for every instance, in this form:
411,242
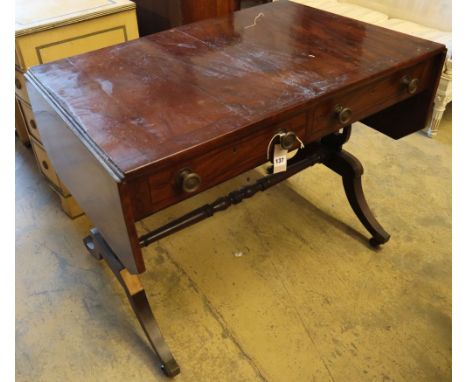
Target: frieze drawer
167,186
351,106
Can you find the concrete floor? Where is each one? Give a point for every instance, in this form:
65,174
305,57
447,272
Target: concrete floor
308,300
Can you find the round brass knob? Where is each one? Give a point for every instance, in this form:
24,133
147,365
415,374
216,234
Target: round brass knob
288,140
411,84
32,122
344,114
189,180
17,83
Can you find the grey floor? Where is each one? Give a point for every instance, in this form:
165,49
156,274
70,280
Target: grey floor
280,288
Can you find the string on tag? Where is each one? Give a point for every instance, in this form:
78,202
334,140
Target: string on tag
255,21
271,141
300,142
280,159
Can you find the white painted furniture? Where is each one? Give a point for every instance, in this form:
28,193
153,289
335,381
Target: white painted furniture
428,19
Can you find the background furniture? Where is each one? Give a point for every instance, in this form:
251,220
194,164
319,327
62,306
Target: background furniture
248,3
48,30
428,19
158,15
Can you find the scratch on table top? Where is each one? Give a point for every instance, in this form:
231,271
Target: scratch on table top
106,86
255,20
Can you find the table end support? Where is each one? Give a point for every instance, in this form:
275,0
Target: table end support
351,170
136,295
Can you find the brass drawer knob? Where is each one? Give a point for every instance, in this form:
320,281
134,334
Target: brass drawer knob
288,140
411,84
17,84
32,122
343,114
188,180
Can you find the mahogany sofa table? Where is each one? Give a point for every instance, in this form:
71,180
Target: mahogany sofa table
154,121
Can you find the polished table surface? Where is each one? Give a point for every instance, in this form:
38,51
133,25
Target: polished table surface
140,126
195,87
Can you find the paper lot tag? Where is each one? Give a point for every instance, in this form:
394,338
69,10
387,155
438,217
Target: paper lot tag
280,159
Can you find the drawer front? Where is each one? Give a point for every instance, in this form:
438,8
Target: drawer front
20,86
161,190
44,163
20,123
30,122
364,101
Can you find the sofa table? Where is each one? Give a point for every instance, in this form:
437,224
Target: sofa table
208,101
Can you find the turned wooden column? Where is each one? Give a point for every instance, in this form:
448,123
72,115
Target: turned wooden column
442,99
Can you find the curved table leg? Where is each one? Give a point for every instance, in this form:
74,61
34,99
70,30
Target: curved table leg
98,247
351,171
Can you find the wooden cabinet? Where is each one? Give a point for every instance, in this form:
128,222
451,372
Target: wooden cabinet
158,15
48,30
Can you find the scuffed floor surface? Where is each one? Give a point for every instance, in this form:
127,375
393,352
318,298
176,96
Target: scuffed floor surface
282,287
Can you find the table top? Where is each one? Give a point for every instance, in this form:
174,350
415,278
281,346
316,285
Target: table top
150,101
